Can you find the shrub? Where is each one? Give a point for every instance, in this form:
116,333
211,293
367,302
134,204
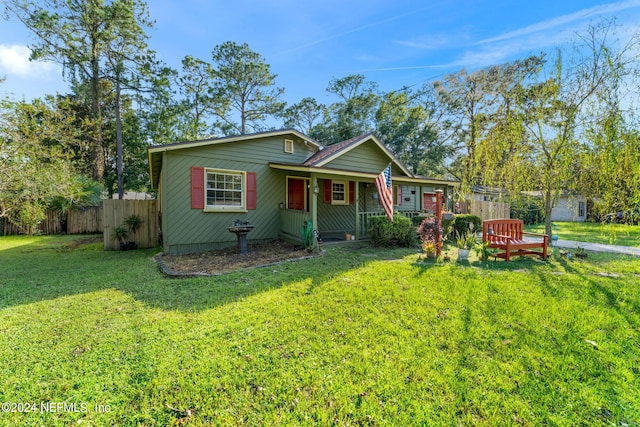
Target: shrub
417,220
431,235
400,232
461,223
447,227
530,211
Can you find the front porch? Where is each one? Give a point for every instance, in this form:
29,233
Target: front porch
340,203
293,222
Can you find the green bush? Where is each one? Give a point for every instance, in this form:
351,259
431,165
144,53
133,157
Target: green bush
447,227
530,211
400,232
460,224
417,220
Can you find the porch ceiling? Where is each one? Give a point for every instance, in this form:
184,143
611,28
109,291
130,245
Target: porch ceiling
356,174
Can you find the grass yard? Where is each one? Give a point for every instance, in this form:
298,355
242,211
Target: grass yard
357,337
615,234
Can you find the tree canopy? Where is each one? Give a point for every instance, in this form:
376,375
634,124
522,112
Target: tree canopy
92,40
34,167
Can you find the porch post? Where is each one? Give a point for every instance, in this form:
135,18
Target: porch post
315,189
356,201
438,220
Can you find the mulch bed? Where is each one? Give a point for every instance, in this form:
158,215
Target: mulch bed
227,260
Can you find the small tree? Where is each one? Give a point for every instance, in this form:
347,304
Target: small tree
33,171
244,83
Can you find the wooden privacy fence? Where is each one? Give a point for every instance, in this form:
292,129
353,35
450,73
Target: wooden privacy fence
79,221
486,209
50,225
84,221
116,211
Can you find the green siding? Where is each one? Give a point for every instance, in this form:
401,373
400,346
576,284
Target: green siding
367,157
335,219
414,199
260,151
372,204
193,230
368,193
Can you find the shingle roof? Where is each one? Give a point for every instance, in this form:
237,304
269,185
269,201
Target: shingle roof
330,150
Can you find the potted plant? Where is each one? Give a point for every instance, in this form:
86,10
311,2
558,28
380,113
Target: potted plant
429,248
431,236
129,226
120,234
465,242
483,251
133,223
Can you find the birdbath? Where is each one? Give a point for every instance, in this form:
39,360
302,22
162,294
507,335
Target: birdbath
241,228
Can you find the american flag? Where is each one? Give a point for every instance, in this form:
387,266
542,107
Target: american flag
385,191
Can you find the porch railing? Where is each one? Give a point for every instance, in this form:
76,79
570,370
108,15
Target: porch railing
291,222
363,220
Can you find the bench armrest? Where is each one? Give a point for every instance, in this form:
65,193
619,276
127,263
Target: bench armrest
534,234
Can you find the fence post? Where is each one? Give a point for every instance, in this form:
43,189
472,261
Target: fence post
439,194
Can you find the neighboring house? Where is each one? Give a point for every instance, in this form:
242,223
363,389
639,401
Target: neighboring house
134,195
569,207
276,181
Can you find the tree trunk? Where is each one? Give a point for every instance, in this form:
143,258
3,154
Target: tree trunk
119,162
98,154
548,206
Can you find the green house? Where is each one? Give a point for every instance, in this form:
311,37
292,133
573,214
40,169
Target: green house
276,181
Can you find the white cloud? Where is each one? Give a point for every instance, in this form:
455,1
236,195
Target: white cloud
544,35
531,39
14,60
497,53
432,42
565,20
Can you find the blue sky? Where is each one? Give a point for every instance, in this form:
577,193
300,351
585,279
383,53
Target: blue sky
307,43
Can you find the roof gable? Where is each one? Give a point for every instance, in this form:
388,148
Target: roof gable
155,152
234,138
334,154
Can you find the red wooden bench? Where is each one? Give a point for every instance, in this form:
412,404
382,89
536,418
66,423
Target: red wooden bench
507,235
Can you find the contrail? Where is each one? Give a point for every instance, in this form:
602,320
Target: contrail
355,30
564,19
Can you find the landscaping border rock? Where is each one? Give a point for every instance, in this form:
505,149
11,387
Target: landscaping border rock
179,275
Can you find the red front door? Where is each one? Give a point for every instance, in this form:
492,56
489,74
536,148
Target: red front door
429,202
297,194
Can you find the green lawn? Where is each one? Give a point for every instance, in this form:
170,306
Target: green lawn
615,234
357,337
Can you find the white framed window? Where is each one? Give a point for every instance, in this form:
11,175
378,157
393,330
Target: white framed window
225,190
288,146
339,193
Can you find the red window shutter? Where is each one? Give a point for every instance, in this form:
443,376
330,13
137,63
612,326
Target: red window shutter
327,191
251,191
399,195
352,192
197,188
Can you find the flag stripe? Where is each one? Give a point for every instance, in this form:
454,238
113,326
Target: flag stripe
385,191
